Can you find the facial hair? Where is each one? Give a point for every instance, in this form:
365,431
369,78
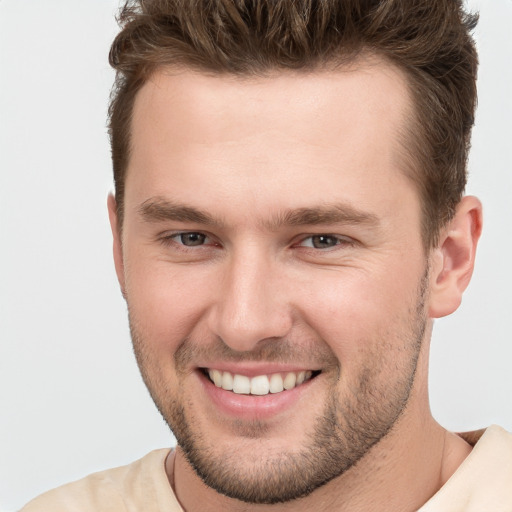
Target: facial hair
342,435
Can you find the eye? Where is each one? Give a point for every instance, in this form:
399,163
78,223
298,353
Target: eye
190,239
322,241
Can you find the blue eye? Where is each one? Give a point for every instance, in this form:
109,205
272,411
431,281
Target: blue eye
321,241
190,239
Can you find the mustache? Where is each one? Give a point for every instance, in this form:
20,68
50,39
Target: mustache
309,353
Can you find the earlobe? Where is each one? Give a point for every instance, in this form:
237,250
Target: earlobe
117,242
452,262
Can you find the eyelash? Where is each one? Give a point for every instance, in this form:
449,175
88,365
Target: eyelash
339,241
171,239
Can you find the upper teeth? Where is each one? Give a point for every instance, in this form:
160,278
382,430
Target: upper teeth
259,385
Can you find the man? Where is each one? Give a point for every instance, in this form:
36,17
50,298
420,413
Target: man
288,221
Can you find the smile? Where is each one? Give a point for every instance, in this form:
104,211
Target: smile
261,384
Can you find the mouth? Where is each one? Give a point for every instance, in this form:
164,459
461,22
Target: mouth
259,385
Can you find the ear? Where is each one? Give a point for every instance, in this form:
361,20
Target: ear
454,259
118,246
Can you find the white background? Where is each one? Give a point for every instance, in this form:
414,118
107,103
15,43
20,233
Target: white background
71,399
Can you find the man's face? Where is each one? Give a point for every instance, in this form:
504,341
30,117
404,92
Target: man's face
271,237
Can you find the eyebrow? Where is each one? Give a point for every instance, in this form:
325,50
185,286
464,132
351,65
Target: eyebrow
158,209
325,214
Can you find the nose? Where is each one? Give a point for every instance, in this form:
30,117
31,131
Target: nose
251,304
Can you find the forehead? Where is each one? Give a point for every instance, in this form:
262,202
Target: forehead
365,88
193,132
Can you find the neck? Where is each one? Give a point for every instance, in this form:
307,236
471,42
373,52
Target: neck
400,473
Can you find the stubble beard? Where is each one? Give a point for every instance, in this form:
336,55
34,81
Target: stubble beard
341,436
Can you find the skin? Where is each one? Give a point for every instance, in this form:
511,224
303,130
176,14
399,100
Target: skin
256,296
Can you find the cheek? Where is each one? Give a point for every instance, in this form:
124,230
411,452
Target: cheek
358,312
165,303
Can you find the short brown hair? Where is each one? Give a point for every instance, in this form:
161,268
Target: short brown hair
429,40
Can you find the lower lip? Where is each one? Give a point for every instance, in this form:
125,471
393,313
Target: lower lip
252,407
